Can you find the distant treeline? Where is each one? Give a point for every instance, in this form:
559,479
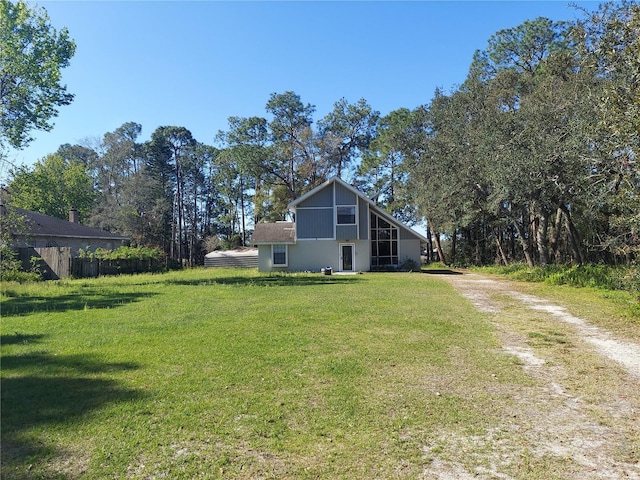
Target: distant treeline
533,158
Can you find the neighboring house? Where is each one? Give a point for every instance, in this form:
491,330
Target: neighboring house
46,231
338,227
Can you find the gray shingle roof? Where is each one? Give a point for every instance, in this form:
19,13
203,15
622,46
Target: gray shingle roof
279,232
39,224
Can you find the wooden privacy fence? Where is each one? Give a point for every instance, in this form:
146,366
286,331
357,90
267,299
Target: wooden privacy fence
88,267
55,263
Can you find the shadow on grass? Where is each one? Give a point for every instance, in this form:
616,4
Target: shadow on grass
44,391
441,271
285,280
16,305
56,365
20,338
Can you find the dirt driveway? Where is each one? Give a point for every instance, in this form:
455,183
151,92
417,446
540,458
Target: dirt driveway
582,409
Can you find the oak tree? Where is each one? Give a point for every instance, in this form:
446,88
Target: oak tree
32,55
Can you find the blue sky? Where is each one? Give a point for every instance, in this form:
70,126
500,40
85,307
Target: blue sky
194,64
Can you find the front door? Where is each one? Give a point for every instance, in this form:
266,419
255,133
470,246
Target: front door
346,257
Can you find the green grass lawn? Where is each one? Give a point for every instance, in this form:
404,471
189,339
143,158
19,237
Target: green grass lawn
234,374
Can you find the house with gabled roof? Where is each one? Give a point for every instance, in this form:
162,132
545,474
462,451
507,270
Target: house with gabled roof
47,231
336,226
54,242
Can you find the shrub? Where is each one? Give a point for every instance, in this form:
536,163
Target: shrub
212,243
632,279
11,268
409,265
604,277
19,276
123,260
235,241
124,253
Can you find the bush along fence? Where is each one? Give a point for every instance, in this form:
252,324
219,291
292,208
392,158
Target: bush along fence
123,260
53,263
93,267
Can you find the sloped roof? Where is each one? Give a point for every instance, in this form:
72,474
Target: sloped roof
240,252
39,224
372,203
279,232
333,179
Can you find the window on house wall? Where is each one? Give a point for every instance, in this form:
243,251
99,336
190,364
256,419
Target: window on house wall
346,215
384,243
279,254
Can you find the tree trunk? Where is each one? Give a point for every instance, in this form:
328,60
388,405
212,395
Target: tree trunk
436,239
541,237
480,244
244,231
292,178
503,257
574,237
193,241
258,213
172,239
529,227
179,211
181,223
555,237
524,240
454,240
524,243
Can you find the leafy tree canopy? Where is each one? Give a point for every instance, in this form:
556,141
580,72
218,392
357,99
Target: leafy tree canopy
54,186
31,58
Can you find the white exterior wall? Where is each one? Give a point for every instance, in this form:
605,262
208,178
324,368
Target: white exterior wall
313,255
265,261
409,249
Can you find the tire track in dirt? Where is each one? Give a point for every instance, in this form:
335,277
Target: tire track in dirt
596,429
626,354
479,289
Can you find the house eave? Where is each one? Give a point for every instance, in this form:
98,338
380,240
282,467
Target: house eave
82,237
274,242
395,221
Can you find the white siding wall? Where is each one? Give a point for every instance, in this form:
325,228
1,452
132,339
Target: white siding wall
265,261
409,248
313,255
